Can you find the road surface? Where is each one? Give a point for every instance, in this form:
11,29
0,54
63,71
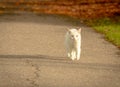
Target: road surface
32,54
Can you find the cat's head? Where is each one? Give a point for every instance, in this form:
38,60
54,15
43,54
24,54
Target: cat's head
74,34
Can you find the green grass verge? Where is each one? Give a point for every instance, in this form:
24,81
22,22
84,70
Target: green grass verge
110,27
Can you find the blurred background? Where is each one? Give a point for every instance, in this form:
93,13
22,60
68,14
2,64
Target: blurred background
76,8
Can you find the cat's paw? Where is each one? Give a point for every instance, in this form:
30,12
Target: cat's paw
73,58
78,58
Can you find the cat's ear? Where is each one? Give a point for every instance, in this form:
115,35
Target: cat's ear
79,30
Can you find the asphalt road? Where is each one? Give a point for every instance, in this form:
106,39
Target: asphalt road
32,54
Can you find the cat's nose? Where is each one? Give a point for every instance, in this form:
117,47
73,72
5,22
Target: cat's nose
72,38
76,38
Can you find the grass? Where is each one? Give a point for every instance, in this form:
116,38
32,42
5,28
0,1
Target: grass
110,27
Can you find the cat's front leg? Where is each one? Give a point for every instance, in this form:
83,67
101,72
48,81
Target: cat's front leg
73,55
78,54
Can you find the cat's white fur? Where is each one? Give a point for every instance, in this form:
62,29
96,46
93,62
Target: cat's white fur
73,43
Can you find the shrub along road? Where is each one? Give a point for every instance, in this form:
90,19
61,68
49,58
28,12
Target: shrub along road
32,54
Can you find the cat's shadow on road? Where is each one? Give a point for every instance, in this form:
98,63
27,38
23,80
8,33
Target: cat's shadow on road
44,57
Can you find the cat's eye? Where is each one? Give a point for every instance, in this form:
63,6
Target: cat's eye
76,35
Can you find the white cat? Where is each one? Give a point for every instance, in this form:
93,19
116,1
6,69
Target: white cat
73,43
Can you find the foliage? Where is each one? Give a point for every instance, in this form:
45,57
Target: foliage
110,27
74,8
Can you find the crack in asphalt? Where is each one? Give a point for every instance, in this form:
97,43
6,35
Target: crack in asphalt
36,75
